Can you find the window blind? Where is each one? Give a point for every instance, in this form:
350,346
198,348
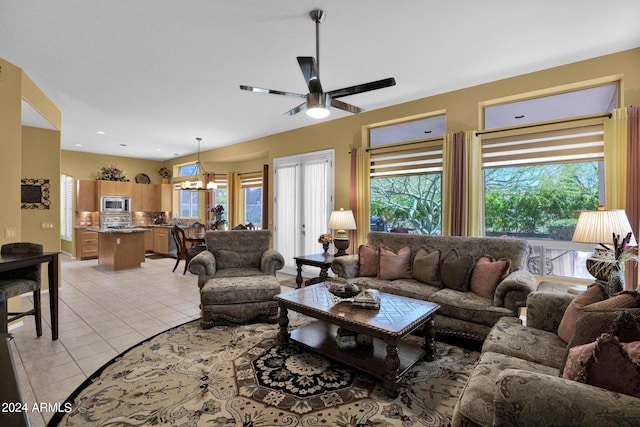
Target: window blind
577,144
251,180
66,204
418,159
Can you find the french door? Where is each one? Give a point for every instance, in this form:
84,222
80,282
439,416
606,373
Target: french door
303,201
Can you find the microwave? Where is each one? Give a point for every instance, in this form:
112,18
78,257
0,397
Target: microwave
115,204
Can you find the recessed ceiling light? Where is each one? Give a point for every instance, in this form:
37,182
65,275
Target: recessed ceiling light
521,116
101,132
158,149
123,145
78,145
427,131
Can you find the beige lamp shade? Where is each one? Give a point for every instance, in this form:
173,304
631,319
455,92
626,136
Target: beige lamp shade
599,226
341,221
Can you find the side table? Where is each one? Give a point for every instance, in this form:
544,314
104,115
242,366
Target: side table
322,261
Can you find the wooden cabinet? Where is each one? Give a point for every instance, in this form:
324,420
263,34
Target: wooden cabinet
161,240
114,188
164,198
148,240
143,198
86,196
86,244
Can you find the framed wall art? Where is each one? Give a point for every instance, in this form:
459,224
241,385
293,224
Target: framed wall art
34,193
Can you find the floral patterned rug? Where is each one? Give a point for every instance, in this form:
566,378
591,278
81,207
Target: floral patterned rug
239,376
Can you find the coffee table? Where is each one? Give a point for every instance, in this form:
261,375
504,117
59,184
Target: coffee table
389,358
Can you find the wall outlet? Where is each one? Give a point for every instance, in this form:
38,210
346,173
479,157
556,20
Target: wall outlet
46,225
10,233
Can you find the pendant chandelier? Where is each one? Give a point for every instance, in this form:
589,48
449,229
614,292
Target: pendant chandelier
195,183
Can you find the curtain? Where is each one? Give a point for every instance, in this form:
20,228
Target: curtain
359,198
234,187
475,184
633,184
455,177
615,159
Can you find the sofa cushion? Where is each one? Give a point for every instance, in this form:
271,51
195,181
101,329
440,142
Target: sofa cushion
233,259
426,267
455,270
393,265
487,273
475,405
604,363
468,306
367,261
239,290
410,288
509,336
592,295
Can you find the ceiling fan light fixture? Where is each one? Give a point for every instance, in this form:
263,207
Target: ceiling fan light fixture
318,105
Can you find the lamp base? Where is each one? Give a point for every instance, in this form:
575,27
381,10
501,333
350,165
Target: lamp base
341,245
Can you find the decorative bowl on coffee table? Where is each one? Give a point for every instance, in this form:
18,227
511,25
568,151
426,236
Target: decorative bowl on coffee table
343,290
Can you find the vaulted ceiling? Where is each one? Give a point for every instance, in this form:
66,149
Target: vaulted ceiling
154,74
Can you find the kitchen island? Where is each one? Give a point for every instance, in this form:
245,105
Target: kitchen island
120,249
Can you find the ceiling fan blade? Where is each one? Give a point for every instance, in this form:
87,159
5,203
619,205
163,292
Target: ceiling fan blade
346,107
310,73
275,92
297,109
365,87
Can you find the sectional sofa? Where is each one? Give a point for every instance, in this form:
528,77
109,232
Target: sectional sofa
475,280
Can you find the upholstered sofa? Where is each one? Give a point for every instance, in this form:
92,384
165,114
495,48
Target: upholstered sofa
518,378
236,276
464,311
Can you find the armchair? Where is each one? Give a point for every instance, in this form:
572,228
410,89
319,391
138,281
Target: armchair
236,276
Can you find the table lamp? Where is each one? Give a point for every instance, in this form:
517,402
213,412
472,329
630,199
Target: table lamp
341,221
606,264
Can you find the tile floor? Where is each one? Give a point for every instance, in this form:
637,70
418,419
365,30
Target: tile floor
101,314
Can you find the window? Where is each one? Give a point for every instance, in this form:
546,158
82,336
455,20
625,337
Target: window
252,196
220,196
66,207
187,200
406,177
535,186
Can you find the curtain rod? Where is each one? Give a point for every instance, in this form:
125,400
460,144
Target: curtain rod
250,173
595,116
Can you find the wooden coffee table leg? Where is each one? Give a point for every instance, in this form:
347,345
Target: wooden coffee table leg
283,322
429,343
299,275
391,381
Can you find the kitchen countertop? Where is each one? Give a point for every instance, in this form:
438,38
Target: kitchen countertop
119,230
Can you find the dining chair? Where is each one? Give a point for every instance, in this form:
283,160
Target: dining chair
20,281
197,229
183,252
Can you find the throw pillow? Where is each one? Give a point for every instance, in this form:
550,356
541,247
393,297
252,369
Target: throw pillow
624,299
487,273
368,261
426,267
604,363
593,294
455,270
394,266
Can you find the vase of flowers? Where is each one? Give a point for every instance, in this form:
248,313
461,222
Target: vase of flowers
165,174
218,212
325,239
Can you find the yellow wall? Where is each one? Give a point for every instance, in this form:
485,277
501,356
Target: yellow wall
27,153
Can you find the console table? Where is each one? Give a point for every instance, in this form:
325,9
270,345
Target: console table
322,261
10,262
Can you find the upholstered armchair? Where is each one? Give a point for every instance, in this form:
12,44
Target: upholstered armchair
236,276
236,253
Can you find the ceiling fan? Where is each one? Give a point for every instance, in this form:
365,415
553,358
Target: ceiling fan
317,101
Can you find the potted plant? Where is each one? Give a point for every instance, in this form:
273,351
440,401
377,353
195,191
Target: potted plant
610,263
165,174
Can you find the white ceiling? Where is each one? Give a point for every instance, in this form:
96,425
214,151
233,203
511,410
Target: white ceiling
156,74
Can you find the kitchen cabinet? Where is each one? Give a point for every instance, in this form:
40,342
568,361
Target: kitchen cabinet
86,244
113,188
86,196
143,198
164,198
161,238
148,241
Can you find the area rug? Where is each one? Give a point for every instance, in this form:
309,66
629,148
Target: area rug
240,376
